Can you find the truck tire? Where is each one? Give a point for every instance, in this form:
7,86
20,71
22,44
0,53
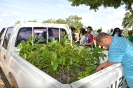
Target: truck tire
4,79
13,81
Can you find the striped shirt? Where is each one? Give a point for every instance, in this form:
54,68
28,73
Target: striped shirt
121,51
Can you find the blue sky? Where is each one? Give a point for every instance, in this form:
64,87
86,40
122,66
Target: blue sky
24,10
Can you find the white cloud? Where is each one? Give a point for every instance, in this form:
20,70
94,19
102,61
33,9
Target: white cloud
7,18
119,14
114,19
59,5
1,20
110,17
87,19
112,24
5,14
12,11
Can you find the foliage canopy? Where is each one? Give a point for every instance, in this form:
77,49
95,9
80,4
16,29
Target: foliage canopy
71,21
128,20
95,4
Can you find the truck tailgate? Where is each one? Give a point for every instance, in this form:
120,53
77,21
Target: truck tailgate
111,77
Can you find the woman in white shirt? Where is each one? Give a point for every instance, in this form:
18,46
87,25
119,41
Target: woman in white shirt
83,37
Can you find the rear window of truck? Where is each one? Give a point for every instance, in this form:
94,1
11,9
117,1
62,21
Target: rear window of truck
42,34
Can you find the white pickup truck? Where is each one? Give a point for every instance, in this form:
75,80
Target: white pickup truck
22,74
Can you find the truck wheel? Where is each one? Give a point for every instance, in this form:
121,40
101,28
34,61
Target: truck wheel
4,79
13,81
12,87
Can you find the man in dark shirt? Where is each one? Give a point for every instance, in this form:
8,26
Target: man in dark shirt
73,34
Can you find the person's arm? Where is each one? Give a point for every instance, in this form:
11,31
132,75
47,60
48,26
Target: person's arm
89,44
84,44
104,65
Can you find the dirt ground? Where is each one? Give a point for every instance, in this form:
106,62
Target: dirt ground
2,85
3,80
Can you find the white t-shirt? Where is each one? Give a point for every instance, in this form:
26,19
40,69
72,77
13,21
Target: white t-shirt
96,34
82,39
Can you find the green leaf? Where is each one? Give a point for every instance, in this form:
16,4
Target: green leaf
52,62
71,61
38,61
50,45
77,60
53,55
55,65
68,68
25,56
57,58
64,61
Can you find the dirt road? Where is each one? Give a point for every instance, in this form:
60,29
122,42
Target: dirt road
2,85
3,80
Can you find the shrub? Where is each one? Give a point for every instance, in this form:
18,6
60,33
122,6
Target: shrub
61,60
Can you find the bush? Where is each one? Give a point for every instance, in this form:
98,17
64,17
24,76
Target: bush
61,60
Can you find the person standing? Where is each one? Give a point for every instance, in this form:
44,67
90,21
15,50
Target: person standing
130,37
98,31
120,51
81,33
111,31
73,34
83,38
121,33
117,32
89,38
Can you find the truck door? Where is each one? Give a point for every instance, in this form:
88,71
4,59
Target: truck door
1,41
4,48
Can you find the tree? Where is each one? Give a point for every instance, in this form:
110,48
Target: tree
49,21
128,20
71,21
58,21
74,21
32,20
101,28
17,22
125,32
61,21
95,4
